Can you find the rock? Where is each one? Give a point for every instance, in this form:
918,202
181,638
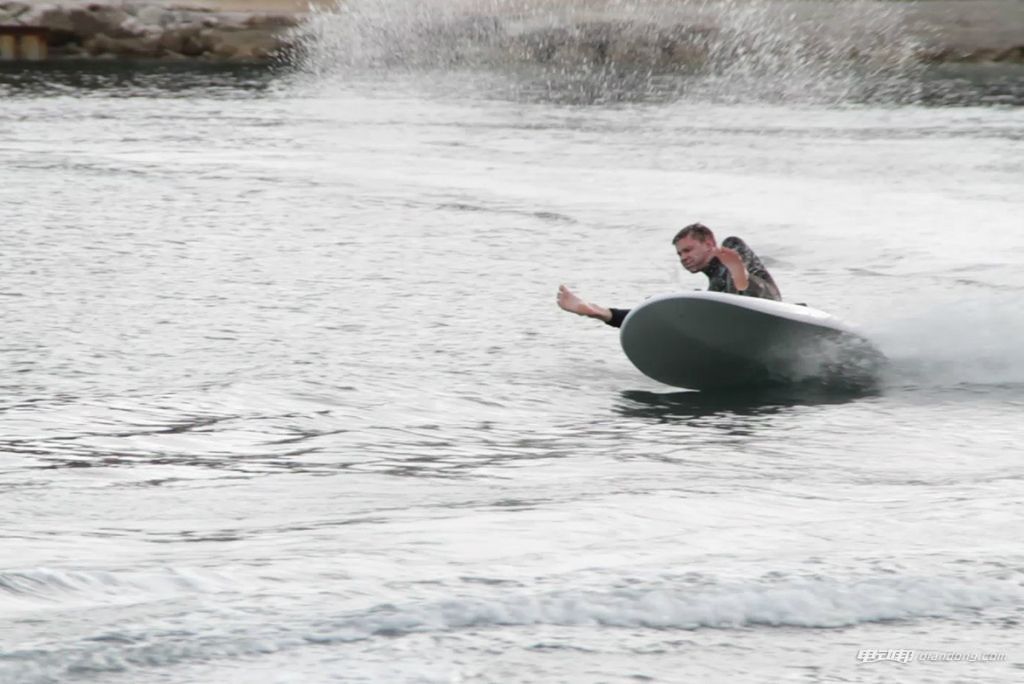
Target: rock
10,11
101,44
272,22
247,44
982,55
97,19
232,20
189,40
1015,55
133,26
49,16
83,22
74,50
154,16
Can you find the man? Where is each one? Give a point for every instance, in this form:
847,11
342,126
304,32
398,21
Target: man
732,268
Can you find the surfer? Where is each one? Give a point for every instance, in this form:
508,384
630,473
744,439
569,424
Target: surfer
732,267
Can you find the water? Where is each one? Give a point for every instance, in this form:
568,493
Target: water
286,397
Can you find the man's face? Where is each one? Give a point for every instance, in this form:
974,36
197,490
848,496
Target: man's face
694,254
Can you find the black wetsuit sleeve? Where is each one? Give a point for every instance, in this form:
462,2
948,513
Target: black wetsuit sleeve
618,315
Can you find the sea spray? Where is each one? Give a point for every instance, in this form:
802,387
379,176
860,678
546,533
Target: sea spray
721,50
964,341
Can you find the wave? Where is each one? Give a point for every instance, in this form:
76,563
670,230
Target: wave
661,604
52,585
809,603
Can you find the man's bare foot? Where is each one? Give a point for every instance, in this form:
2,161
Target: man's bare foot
568,300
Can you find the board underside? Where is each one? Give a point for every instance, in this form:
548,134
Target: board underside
708,341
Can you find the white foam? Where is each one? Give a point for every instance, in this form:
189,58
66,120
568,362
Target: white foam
811,603
660,604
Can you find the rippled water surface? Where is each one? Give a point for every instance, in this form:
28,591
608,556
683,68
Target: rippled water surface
286,398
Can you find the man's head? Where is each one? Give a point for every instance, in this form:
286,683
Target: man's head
695,244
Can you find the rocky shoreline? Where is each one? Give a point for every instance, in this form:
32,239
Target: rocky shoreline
264,30
158,31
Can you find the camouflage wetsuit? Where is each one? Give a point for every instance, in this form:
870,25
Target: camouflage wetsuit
760,282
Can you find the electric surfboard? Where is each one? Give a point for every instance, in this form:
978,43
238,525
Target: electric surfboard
717,341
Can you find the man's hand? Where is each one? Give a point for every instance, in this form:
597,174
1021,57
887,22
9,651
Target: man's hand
734,262
727,254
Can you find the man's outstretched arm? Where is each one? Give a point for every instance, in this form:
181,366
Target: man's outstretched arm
570,301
